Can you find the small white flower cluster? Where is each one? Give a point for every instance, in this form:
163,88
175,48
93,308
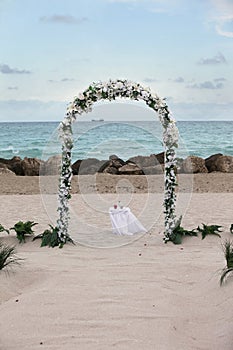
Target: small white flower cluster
83,103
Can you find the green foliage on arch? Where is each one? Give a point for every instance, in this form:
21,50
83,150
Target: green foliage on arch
83,103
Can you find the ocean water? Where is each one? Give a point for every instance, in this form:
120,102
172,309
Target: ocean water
125,139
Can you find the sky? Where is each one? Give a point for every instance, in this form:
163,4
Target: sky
53,49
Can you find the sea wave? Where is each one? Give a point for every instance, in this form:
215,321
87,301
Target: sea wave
9,149
124,139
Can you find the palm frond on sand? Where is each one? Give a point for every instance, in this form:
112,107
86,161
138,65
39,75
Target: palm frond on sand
8,256
228,253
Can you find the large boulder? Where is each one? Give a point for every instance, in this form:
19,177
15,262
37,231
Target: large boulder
21,167
160,157
31,166
88,166
193,164
109,170
144,161
116,162
5,171
211,162
130,169
14,164
112,165
224,164
76,166
51,166
150,165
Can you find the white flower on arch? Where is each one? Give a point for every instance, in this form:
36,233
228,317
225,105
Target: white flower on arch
110,91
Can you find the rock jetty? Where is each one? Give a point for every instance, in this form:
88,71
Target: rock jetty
138,165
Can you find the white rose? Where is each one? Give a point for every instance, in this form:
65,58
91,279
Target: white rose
81,96
119,85
144,94
66,122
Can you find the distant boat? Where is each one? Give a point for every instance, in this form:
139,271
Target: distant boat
97,120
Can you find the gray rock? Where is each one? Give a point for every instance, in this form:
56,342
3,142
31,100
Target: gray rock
112,165
31,166
160,157
224,164
211,161
14,164
110,170
113,157
193,164
144,161
88,166
51,166
130,169
116,163
75,166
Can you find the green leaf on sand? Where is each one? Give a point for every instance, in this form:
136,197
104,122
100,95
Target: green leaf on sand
23,228
209,230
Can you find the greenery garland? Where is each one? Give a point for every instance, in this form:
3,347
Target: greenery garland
110,91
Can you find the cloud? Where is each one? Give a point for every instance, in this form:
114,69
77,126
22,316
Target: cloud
150,80
67,79
5,69
65,19
217,59
223,6
220,79
13,88
64,80
178,80
32,110
221,22
202,111
222,15
206,85
35,110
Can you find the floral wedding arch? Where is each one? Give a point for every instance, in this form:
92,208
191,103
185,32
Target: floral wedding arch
83,104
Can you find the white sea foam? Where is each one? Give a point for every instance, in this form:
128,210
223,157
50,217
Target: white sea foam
126,139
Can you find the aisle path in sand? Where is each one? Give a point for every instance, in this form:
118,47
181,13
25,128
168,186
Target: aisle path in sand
145,295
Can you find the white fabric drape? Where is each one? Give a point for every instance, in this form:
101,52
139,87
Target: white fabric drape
124,222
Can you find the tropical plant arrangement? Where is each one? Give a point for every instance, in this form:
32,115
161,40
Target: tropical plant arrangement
228,253
205,230
82,104
179,232
209,230
50,238
8,256
23,229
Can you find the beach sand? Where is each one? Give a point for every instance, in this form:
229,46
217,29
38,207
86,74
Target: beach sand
215,182
142,295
